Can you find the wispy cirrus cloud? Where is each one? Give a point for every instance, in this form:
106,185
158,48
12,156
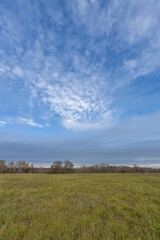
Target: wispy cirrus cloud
20,120
69,69
29,122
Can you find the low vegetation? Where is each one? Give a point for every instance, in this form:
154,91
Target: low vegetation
80,206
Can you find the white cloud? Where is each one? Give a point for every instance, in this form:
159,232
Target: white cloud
76,100
17,70
2,123
29,122
21,120
134,20
127,23
4,68
84,126
130,64
95,19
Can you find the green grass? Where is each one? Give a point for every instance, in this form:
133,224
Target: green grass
80,206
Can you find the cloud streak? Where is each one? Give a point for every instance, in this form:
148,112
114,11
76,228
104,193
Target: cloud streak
29,122
2,123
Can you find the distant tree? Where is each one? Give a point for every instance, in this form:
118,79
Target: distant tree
22,166
68,164
40,169
68,167
2,166
136,168
32,168
26,168
11,166
56,167
57,164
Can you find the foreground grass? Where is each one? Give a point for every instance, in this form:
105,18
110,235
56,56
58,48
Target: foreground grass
80,206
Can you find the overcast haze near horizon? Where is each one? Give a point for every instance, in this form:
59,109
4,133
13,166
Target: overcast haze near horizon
80,80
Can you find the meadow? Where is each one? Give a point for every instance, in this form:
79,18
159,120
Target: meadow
80,206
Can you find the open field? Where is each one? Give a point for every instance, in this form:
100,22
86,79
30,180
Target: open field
80,206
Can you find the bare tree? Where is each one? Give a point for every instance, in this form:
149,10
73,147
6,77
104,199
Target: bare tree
22,166
11,166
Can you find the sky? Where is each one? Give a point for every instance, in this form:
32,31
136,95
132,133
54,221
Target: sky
80,80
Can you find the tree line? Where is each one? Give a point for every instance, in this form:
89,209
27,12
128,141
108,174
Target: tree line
24,167
68,167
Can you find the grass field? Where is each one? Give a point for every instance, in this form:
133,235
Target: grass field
80,206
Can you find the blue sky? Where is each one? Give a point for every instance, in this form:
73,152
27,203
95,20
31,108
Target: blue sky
80,80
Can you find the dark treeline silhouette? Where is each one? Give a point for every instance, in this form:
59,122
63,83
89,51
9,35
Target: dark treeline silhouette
105,168
24,167
68,167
